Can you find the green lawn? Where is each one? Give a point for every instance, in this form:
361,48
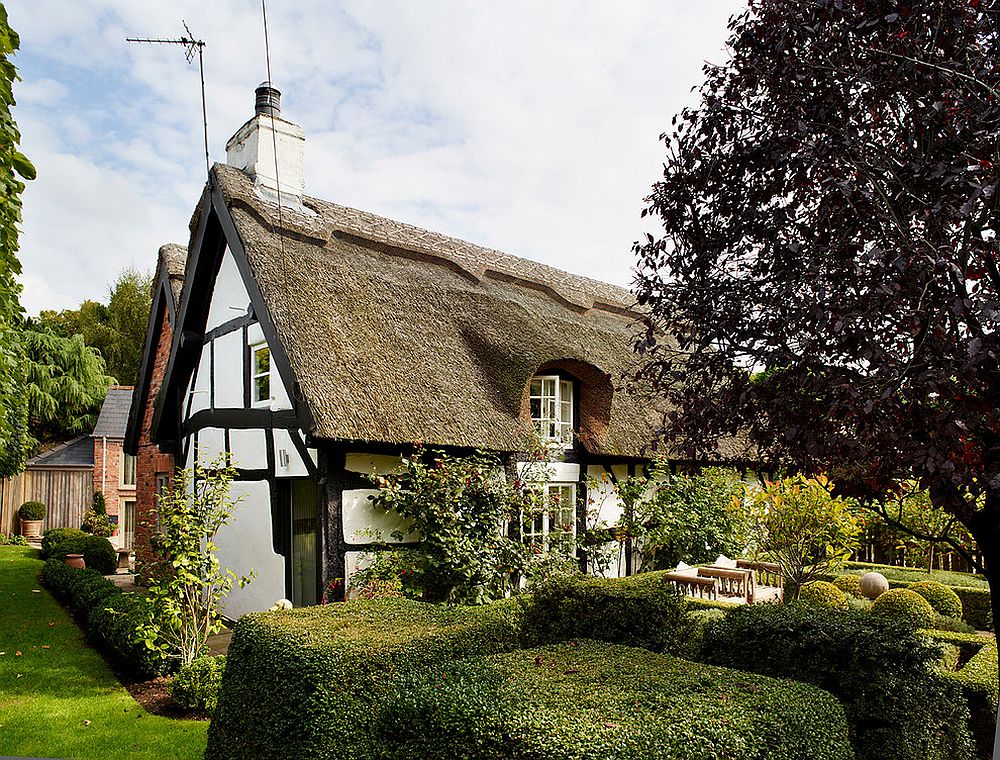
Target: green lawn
58,698
915,574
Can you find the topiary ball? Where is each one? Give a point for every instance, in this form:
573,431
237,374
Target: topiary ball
32,510
906,605
873,585
823,594
97,552
849,584
944,601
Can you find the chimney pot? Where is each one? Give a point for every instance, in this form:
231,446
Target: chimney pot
267,100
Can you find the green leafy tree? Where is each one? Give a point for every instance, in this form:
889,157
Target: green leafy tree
183,602
800,525
65,384
116,329
691,518
14,168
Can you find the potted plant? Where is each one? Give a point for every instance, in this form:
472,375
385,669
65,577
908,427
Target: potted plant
96,519
32,514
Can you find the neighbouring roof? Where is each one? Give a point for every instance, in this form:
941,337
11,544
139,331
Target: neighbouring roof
113,418
76,453
396,334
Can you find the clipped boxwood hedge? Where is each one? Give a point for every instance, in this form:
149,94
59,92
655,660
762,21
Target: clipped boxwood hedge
640,611
968,644
882,670
110,616
97,552
824,594
849,584
944,601
906,605
978,680
594,701
307,683
976,603
54,536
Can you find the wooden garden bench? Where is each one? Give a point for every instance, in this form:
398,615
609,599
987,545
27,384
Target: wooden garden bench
692,584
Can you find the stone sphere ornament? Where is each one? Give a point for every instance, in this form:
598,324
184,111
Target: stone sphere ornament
873,585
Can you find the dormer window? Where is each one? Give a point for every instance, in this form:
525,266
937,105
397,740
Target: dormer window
552,408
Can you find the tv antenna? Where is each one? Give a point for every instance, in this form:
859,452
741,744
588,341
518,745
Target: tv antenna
191,47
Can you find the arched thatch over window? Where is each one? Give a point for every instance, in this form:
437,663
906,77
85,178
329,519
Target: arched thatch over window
591,399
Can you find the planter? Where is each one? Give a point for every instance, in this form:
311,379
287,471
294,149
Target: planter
31,528
75,560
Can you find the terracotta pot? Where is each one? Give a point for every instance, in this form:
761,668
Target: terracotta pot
75,560
31,528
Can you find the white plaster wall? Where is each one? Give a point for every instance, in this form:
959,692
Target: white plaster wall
249,448
211,443
245,545
551,472
229,371
279,397
354,561
230,298
368,463
296,467
364,523
200,394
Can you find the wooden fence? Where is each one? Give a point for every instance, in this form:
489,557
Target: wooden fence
66,492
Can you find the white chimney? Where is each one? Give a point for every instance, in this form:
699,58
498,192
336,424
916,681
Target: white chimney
252,150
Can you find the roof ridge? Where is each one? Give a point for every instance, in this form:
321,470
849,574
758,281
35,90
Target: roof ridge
477,260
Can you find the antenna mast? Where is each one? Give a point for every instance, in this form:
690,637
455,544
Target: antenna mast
191,46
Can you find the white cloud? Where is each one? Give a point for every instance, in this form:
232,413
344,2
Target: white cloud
531,127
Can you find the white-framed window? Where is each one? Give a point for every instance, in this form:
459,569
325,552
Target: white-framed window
260,374
128,471
556,518
551,401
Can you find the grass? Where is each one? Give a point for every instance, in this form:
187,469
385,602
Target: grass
58,697
915,574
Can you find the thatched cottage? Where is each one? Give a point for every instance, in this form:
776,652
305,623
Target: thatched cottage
317,343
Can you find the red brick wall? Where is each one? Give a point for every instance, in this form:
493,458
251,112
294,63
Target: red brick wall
150,462
107,479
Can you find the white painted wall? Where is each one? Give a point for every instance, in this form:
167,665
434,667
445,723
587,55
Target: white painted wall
245,545
249,448
295,468
228,368
230,298
364,523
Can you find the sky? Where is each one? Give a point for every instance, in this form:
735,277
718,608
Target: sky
528,126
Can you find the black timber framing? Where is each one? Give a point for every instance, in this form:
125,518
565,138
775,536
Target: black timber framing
215,233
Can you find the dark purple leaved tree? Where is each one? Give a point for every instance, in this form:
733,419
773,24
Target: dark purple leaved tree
828,263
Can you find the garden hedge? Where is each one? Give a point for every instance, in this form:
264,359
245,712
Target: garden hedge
968,644
54,536
824,594
849,584
307,683
903,604
640,611
976,604
196,685
944,601
97,552
110,616
978,680
595,700
898,706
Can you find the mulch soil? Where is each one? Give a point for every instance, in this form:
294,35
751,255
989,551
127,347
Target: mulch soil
154,697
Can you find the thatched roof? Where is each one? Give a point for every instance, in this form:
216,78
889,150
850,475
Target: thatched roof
396,334
171,261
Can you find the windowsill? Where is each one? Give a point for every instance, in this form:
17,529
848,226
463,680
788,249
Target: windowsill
126,488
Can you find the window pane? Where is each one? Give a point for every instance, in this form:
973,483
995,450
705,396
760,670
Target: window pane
549,385
536,387
262,388
536,409
566,411
262,361
566,390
